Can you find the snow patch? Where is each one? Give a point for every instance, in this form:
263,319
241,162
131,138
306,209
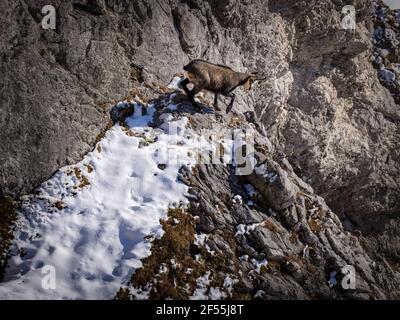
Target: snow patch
229,283
258,264
237,199
93,233
242,229
202,284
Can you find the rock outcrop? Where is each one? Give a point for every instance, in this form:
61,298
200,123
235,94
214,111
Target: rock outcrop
264,235
339,127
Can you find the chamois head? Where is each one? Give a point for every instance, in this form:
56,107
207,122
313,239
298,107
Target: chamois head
253,77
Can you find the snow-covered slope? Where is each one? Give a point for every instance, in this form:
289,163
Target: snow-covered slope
89,220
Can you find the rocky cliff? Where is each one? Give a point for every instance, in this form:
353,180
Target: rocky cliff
327,121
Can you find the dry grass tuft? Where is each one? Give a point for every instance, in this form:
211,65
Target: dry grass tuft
84,181
314,225
271,226
176,245
89,168
103,132
59,205
175,263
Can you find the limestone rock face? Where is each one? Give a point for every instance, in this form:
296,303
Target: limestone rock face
277,239
322,104
339,125
274,184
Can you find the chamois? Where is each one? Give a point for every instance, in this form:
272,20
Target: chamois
219,79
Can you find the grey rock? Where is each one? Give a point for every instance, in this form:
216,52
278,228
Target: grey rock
274,184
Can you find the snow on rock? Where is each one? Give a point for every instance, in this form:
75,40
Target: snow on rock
216,294
237,199
200,239
387,75
201,288
258,264
90,219
175,83
242,229
259,294
229,283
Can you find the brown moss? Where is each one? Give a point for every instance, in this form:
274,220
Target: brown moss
133,133
240,292
271,226
103,105
78,173
293,237
7,218
128,131
314,225
136,92
164,89
191,121
229,237
84,181
103,132
89,168
273,266
263,269
308,203
59,205
173,280
136,73
174,244
311,268
235,121
219,261
123,294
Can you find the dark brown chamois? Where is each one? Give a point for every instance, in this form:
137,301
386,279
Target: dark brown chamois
216,78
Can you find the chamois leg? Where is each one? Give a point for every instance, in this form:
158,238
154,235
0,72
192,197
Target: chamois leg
184,84
232,96
190,93
216,102
195,91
